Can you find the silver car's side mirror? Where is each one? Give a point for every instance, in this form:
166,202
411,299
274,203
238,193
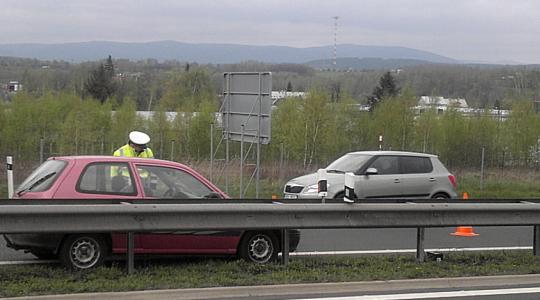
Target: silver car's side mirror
372,171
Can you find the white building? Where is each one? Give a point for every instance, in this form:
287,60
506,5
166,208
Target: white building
13,87
441,102
278,96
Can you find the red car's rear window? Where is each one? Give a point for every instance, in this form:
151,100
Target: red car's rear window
43,177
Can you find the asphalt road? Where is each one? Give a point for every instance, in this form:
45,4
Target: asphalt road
380,239
465,288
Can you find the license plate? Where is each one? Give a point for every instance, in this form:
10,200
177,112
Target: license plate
288,196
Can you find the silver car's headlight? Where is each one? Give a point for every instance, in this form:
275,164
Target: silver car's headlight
314,189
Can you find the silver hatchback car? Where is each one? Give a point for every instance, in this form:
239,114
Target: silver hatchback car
380,174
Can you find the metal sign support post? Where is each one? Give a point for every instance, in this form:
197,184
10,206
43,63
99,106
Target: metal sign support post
227,133
259,100
227,172
211,152
242,162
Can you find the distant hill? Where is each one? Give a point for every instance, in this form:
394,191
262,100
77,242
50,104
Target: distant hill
209,53
368,63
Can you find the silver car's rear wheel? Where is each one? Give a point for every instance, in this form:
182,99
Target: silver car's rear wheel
440,196
81,252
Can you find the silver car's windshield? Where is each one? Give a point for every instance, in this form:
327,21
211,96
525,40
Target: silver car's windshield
348,163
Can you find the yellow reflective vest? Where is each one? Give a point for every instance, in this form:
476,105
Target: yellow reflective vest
128,151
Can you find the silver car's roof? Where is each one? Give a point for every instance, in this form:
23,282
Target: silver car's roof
404,153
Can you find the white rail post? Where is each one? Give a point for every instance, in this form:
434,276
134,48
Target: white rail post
349,188
322,184
9,166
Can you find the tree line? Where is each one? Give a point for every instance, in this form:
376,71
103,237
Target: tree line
94,112
143,82
307,132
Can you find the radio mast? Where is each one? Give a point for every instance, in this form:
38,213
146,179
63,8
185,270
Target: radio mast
335,39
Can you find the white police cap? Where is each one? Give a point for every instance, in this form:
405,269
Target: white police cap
139,138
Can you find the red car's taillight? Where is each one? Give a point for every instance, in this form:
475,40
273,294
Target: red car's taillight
452,179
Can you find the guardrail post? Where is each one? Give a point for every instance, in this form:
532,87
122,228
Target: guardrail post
130,253
284,246
420,253
536,240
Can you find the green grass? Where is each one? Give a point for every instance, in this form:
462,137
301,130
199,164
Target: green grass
3,191
496,185
194,273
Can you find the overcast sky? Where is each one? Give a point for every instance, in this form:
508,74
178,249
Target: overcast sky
486,30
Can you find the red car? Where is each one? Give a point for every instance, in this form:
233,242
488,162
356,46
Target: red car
108,177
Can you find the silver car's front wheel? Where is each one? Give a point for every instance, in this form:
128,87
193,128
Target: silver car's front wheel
81,252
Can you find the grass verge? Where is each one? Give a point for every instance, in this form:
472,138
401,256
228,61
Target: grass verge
25,280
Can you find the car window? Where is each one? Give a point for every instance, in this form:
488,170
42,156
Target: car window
386,165
107,178
43,177
415,165
164,182
350,162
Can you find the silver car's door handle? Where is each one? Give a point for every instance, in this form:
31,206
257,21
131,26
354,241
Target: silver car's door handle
396,180
432,179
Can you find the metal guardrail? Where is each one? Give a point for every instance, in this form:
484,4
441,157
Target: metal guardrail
47,216
141,217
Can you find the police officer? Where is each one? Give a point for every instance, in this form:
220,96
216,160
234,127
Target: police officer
136,146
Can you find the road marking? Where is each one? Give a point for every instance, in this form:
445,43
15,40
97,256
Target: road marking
432,295
392,251
27,262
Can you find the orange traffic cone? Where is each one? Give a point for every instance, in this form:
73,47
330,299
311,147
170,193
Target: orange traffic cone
464,230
